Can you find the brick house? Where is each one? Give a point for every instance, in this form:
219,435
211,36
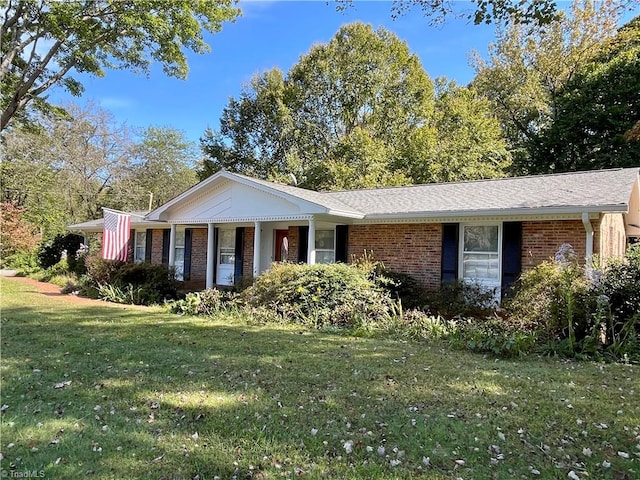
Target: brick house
229,226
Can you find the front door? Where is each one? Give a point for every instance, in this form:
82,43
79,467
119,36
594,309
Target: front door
281,245
226,256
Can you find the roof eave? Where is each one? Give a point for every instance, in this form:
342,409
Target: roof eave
503,212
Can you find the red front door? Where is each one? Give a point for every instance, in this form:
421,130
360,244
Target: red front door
281,252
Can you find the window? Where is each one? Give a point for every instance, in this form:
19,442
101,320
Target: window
481,254
140,245
179,249
227,247
325,246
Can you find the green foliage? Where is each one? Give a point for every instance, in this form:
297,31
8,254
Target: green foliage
138,283
24,262
495,336
69,246
87,37
596,109
592,313
357,112
337,295
528,68
462,299
405,288
207,302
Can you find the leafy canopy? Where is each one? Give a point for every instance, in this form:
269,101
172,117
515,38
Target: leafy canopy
356,112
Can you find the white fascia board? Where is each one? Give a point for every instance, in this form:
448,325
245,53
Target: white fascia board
524,212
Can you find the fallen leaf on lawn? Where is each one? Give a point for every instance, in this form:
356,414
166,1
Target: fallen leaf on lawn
158,459
62,384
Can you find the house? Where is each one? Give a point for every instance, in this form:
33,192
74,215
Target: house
229,226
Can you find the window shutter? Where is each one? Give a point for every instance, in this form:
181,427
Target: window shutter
303,243
188,237
166,234
215,254
239,255
148,246
511,254
342,235
450,237
132,245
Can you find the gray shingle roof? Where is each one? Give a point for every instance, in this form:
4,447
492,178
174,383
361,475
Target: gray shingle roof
597,190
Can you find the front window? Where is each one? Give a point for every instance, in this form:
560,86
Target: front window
140,245
481,254
227,247
179,262
325,246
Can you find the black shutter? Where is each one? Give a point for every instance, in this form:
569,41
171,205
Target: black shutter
132,246
166,238
215,255
450,237
239,255
303,243
342,235
148,246
511,254
188,237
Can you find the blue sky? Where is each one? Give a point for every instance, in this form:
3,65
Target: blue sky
270,34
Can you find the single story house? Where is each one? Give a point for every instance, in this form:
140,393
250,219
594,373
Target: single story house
230,225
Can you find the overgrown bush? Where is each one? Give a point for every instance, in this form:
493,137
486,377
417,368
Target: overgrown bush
207,302
52,252
405,288
137,283
24,262
337,295
495,336
578,311
462,299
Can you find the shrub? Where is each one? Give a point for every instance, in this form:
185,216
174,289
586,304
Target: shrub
462,299
419,325
138,283
493,335
24,262
321,295
405,288
207,302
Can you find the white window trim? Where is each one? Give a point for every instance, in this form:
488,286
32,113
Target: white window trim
179,271
143,247
333,250
498,285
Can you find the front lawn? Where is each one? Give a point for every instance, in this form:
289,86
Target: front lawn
108,391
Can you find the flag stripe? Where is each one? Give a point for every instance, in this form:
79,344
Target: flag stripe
115,236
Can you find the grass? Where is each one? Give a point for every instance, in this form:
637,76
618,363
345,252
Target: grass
109,391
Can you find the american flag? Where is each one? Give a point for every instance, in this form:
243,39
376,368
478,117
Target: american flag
115,237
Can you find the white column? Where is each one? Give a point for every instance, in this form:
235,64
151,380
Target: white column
311,245
589,240
172,246
256,248
211,255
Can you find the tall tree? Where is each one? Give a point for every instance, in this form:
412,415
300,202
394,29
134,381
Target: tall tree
63,174
44,41
529,65
162,166
358,111
598,111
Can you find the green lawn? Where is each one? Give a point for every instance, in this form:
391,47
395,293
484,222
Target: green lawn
109,391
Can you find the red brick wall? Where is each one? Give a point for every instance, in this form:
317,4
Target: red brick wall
414,249
156,246
247,260
541,240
